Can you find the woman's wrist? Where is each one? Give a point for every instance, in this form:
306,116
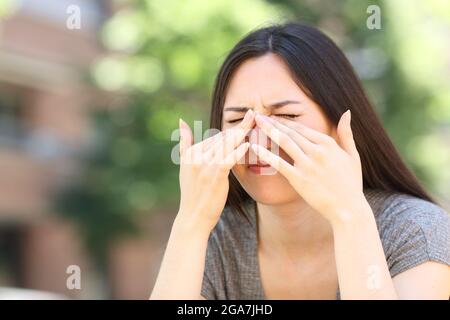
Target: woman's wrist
355,213
191,225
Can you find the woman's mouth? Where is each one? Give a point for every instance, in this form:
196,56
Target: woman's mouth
258,167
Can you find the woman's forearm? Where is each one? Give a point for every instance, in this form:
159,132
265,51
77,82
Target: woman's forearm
361,264
181,272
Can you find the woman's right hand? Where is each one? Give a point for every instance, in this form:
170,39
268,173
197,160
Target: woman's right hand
204,169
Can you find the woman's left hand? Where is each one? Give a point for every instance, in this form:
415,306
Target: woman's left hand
326,174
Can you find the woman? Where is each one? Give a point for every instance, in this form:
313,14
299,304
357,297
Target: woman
334,214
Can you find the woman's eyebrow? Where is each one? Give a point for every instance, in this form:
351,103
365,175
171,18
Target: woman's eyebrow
274,105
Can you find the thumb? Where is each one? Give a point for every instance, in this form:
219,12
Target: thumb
186,137
345,134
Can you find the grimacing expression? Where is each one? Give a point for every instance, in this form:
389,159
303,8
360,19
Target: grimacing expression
265,85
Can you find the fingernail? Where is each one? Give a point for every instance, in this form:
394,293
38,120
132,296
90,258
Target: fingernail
248,115
181,123
263,119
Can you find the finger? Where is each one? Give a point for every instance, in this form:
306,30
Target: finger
207,143
275,161
203,146
207,148
309,133
235,156
186,137
290,128
233,137
280,138
236,135
345,134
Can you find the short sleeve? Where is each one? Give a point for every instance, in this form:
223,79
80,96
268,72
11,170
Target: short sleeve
419,231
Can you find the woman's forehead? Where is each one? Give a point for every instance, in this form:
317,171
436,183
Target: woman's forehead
262,79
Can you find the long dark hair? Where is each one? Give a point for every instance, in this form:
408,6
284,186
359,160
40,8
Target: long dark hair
323,72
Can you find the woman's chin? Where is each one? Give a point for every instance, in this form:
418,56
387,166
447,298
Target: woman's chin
268,189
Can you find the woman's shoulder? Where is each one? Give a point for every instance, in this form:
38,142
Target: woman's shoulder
412,230
391,208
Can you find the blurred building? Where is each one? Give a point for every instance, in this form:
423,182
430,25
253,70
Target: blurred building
44,106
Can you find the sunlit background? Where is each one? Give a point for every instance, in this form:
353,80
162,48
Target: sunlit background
86,117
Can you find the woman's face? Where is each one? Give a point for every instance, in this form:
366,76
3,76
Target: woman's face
265,85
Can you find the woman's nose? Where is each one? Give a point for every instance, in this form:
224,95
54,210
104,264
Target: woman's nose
257,136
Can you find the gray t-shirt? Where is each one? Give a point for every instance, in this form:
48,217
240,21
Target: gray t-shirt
412,231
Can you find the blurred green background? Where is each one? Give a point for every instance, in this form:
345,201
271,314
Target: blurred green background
159,63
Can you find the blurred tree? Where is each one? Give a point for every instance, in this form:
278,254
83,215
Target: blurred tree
165,55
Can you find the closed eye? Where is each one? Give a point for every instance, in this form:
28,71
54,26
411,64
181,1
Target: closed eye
234,120
290,116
